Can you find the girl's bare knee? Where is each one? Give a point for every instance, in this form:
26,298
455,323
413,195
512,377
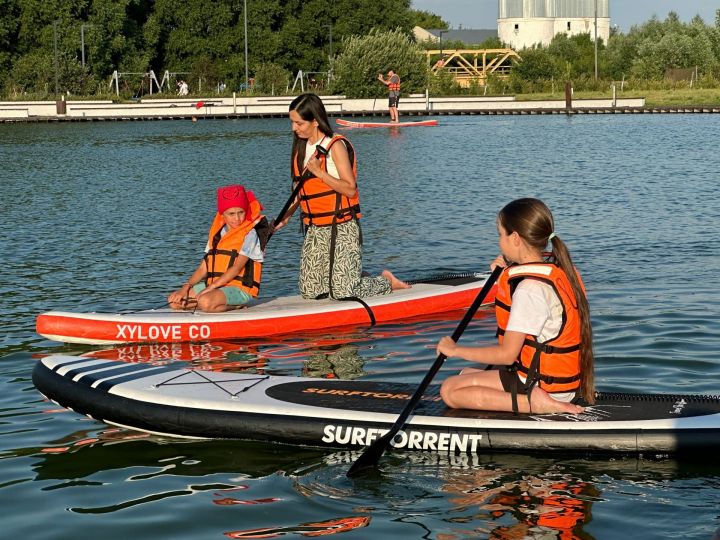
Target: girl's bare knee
446,393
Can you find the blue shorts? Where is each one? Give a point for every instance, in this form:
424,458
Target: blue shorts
234,296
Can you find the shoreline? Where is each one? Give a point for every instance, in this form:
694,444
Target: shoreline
336,106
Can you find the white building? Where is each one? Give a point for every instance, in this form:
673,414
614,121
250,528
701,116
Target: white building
523,23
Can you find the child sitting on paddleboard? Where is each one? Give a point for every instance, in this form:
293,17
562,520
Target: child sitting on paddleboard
544,350
229,274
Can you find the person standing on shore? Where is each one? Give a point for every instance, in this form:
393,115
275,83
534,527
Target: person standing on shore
393,84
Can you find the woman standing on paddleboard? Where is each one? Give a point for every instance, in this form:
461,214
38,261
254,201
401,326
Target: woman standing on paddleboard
323,169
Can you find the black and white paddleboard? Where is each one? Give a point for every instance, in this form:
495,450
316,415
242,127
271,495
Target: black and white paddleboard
176,401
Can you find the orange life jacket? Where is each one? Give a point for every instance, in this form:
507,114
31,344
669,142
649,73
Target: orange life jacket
320,204
225,250
554,364
394,86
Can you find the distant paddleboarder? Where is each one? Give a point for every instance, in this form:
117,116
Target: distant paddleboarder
393,84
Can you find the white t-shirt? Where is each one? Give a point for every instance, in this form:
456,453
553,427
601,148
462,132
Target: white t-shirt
537,310
250,248
310,152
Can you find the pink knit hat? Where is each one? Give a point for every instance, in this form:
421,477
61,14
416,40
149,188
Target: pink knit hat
232,196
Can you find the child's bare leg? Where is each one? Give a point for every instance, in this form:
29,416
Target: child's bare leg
213,302
483,391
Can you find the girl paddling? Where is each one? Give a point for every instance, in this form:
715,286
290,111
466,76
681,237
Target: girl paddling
544,349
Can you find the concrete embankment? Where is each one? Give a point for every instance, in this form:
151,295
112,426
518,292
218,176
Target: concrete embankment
248,107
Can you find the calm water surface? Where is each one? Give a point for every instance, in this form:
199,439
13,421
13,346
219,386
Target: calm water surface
108,216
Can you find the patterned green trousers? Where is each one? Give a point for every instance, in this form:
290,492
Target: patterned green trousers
347,279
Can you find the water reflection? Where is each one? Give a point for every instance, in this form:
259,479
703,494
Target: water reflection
554,506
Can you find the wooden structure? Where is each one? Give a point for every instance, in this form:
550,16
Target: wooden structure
472,66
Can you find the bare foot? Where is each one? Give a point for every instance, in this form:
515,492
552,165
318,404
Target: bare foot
543,403
395,283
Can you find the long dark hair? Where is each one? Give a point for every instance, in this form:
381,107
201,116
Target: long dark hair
533,221
310,107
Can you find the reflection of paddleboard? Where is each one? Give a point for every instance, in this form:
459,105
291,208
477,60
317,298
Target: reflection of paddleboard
181,402
350,124
263,317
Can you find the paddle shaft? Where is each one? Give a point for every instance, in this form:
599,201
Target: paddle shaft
371,455
319,150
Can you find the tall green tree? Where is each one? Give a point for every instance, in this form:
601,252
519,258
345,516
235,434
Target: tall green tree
363,58
9,26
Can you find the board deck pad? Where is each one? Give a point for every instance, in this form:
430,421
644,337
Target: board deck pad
172,400
391,398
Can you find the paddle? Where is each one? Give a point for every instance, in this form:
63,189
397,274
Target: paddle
371,455
319,151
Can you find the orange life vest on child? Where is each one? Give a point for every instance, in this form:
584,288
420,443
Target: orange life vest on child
395,86
319,203
225,250
554,364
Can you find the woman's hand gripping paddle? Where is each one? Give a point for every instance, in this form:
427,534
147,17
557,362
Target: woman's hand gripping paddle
371,455
319,152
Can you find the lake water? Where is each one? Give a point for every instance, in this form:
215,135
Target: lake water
109,216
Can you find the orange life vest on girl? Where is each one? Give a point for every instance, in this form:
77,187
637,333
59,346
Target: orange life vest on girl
554,364
225,250
319,203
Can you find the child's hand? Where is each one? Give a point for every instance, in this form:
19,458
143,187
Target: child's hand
498,261
205,291
446,346
180,295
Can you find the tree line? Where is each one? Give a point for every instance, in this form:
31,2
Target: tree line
649,54
85,41
78,44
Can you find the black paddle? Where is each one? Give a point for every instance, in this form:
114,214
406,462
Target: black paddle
371,455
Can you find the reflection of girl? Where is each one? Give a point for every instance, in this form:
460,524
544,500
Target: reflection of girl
547,507
544,333
331,258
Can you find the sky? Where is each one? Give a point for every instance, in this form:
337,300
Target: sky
624,13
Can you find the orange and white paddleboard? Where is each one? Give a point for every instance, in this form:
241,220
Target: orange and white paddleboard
351,124
282,315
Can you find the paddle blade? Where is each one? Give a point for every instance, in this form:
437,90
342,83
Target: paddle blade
370,456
